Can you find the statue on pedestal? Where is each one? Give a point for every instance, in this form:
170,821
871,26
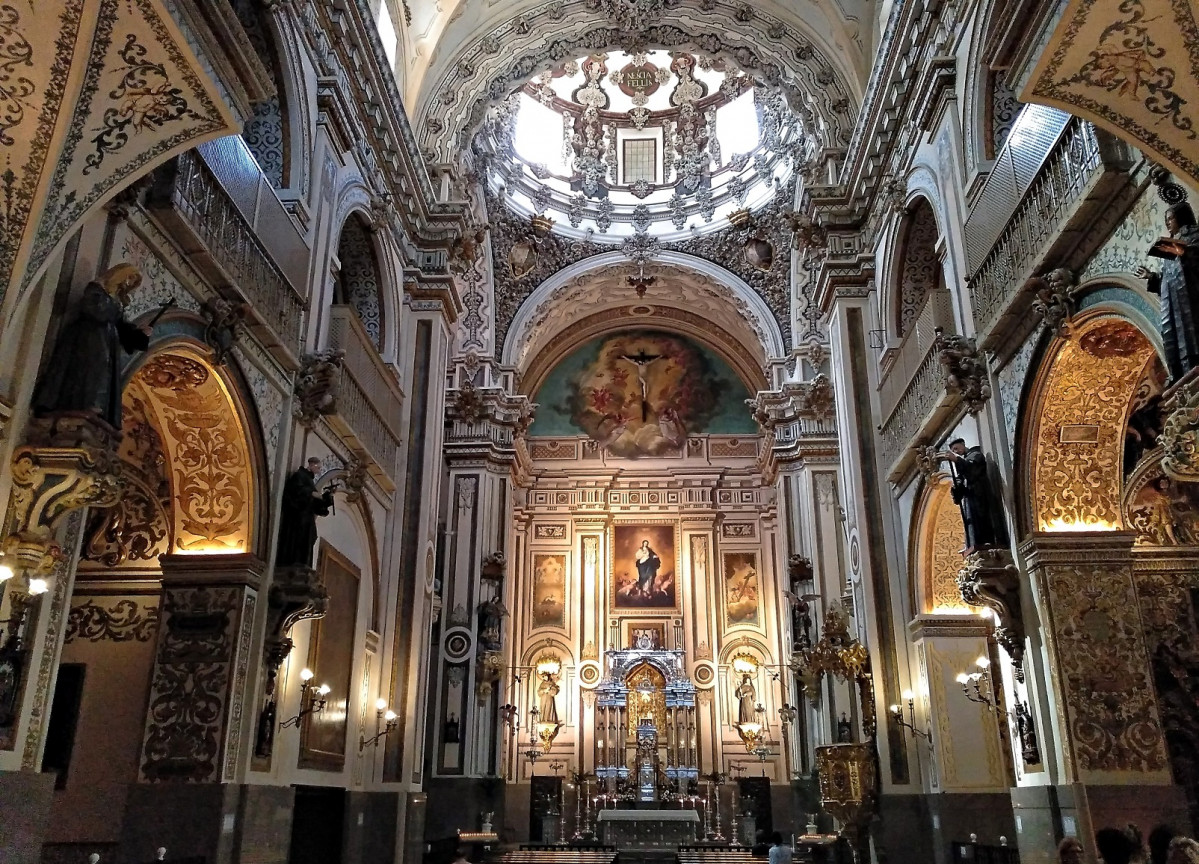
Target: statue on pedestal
302,503
1178,285
982,516
747,701
83,375
547,699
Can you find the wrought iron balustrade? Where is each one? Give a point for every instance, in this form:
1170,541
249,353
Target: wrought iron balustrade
370,402
913,384
200,215
1036,211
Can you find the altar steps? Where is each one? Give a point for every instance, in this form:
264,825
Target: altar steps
560,855
700,855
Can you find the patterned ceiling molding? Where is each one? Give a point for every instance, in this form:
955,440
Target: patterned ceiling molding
763,46
1130,70
600,285
135,99
722,248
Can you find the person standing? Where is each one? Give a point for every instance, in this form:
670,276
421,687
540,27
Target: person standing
780,853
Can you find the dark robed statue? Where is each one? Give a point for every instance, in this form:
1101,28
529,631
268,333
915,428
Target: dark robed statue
972,492
1178,286
83,374
302,503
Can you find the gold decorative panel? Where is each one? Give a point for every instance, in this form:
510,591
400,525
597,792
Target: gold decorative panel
1076,482
209,458
94,94
939,556
1123,65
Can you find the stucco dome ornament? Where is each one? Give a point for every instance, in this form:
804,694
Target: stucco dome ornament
667,144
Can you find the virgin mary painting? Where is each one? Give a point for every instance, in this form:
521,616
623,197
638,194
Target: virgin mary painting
643,567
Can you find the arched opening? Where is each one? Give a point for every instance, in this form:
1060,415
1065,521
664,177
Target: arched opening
937,557
266,130
1080,411
359,280
191,491
1002,109
920,272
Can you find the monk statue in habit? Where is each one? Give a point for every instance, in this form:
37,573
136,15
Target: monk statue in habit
1178,286
302,503
83,375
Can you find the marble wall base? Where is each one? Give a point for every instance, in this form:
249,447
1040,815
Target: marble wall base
370,830
1045,814
918,829
25,799
460,802
224,823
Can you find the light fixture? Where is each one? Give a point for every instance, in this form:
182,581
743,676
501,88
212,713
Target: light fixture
14,647
752,732
980,687
312,699
745,664
910,723
386,722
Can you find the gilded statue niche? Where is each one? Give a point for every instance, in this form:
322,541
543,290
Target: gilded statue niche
1084,399
938,551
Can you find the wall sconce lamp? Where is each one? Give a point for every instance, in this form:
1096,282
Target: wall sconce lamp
389,723
14,647
910,723
979,686
312,699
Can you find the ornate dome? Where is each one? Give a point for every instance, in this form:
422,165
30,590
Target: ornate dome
668,143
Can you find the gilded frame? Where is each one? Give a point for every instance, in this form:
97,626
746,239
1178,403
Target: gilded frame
631,525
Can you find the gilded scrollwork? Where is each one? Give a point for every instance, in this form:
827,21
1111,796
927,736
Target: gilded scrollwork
1079,434
210,461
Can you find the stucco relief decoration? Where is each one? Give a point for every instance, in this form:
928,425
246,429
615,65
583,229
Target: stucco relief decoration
965,369
1123,65
1162,510
1180,434
137,528
210,459
1079,434
1053,302
139,101
359,282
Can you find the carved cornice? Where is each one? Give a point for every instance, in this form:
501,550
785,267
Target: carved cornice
346,50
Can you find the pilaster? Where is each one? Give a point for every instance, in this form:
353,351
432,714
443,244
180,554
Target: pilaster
1112,746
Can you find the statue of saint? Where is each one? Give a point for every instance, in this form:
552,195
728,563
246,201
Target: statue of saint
302,503
84,372
491,614
747,701
547,702
1178,286
973,494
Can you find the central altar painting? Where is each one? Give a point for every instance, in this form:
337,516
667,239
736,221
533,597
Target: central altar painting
644,560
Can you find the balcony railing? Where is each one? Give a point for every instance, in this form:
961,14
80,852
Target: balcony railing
199,213
370,402
1034,212
913,387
